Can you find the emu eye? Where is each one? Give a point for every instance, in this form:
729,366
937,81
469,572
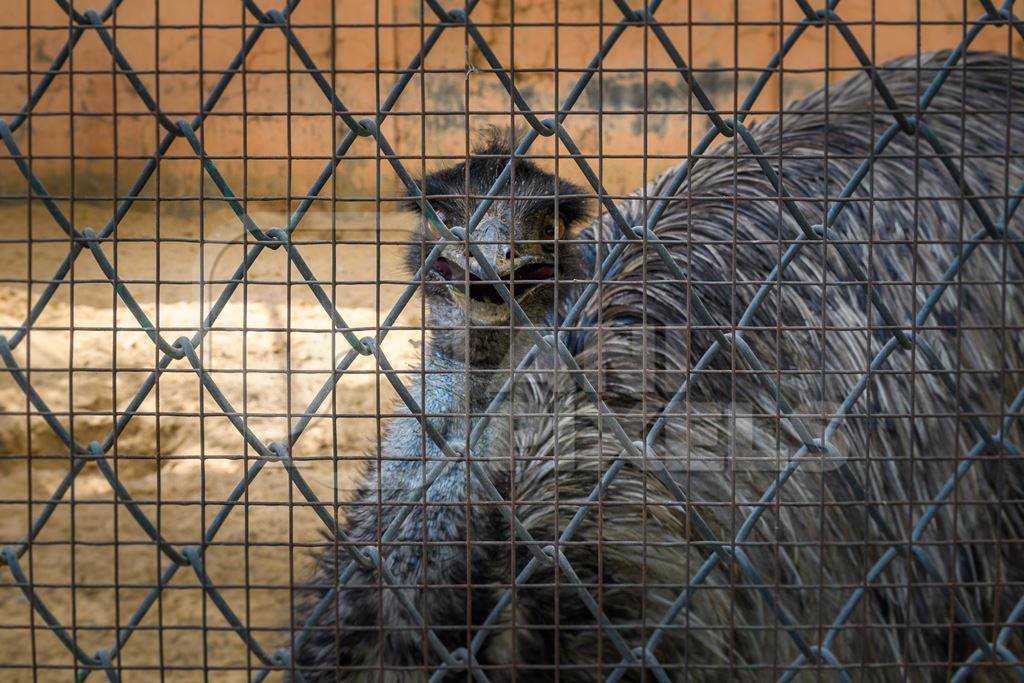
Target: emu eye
554,228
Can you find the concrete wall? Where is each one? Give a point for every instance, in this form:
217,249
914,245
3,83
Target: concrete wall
287,129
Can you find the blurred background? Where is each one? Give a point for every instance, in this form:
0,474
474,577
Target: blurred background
271,134
276,117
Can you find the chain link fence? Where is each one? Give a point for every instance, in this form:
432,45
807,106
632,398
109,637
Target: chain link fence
265,452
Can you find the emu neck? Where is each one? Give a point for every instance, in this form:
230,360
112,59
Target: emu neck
475,360
471,360
462,370
486,349
454,337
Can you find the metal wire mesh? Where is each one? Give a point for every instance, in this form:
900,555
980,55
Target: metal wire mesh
185,350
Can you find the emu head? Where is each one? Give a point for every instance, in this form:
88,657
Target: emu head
518,235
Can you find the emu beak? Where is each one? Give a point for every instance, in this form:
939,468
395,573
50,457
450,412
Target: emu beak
478,293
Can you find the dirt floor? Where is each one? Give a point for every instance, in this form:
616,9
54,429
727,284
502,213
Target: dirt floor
270,351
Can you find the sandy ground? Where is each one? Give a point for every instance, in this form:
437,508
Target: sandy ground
270,352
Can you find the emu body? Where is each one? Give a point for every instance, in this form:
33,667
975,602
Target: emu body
725,443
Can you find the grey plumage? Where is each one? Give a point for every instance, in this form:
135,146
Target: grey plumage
548,448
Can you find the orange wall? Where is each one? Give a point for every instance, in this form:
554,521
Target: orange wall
78,112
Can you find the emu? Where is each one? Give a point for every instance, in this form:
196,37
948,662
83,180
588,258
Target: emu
638,340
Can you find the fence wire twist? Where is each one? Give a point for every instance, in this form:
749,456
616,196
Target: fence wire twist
724,551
